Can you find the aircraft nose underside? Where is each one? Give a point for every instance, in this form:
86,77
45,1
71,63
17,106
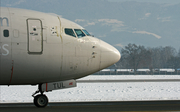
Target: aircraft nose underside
109,55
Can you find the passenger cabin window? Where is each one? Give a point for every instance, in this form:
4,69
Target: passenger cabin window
6,33
79,33
70,32
86,32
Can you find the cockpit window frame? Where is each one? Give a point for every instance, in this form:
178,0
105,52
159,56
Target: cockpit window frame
86,32
81,31
75,36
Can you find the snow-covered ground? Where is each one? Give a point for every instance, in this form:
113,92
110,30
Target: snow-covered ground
101,91
111,77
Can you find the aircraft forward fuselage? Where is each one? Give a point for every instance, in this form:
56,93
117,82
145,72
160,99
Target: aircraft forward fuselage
40,48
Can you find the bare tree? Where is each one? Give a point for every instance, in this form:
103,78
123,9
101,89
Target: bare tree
156,58
173,62
136,56
179,53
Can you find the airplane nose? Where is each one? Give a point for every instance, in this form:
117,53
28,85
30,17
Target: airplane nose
109,55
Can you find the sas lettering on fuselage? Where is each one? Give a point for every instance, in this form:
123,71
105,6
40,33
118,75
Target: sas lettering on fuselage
58,85
3,49
4,21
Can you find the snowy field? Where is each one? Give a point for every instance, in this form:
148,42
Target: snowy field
101,91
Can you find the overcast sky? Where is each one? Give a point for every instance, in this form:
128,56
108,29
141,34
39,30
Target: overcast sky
155,1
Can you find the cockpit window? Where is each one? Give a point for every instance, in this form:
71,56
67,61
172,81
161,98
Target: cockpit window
86,32
70,32
79,33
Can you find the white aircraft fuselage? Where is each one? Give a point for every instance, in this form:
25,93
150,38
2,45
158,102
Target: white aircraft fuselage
39,48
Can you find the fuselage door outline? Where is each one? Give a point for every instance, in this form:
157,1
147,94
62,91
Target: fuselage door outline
35,36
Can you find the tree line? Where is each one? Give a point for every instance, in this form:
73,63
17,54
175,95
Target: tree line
138,57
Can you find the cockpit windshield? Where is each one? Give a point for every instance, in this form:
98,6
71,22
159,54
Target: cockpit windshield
79,33
69,32
86,32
